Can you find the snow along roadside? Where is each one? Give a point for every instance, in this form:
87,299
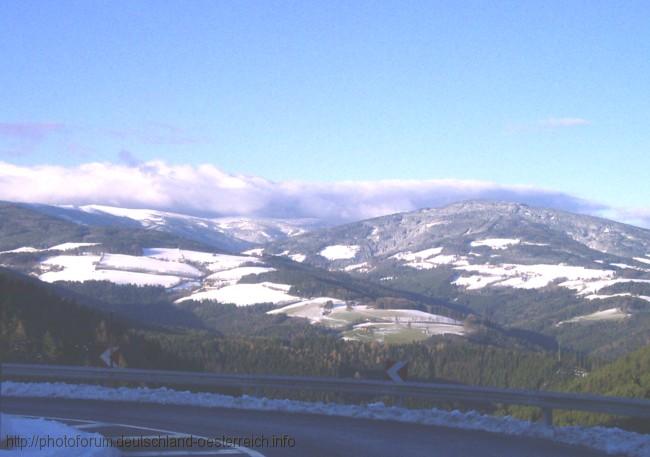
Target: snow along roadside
51,439
610,440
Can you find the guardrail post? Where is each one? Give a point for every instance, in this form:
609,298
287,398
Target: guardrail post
547,416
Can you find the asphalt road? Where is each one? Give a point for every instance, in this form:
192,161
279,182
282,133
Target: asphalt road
314,436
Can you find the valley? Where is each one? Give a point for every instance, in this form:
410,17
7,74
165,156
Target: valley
487,285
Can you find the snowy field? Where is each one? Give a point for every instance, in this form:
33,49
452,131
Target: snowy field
245,294
298,257
474,275
611,314
58,247
210,261
584,281
147,265
312,309
591,287
86,268
233,275
496,243
622,294
166,267
340,252
610,440
362,267
429,258
370,324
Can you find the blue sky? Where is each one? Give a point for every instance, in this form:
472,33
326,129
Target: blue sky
553,95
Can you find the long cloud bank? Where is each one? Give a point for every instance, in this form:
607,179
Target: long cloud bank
205,189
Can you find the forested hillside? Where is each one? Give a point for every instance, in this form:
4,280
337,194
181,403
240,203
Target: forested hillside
628,376
38,325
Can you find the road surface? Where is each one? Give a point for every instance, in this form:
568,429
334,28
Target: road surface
315,436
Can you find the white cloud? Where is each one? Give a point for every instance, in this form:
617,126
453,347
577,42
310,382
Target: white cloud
205,189
561,122
635,216
548,124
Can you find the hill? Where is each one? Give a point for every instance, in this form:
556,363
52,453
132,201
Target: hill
543,270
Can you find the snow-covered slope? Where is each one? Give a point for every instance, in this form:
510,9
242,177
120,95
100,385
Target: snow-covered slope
487,244
366,323
240,280
181,269
232,234
265,230
551,266
203,230
58,247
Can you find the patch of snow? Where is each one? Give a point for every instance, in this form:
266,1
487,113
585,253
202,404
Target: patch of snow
604,315
298,257
436,261
623,294
312,308
245,294
628,267
84,268
609,440
382,329
374,234
429,258
591,287
362,267
71,246
496,243
146,265
642,260
384,321
211,261
235,274
264,230
41,435
340,252
528,276
144,216
477,281
58,247
21,250
257,252
409,315
417,256
69,266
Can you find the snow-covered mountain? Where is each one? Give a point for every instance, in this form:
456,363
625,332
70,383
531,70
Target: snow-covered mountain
94,248
542,270
530,267
475,234
265,230
226,233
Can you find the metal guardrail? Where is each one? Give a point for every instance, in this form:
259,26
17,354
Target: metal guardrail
545,400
